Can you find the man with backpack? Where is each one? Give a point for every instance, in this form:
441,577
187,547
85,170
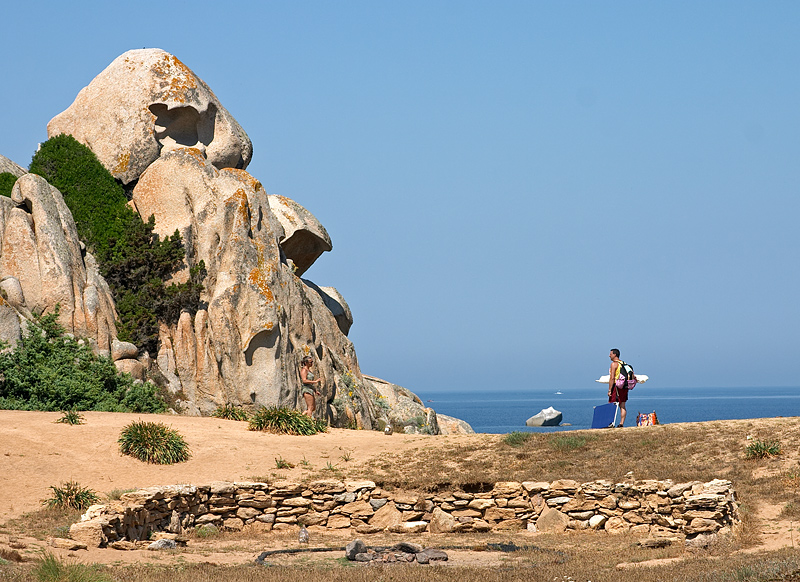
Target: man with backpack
615,392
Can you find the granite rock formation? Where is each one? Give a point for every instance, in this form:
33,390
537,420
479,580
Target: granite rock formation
146,102
160,130
43,264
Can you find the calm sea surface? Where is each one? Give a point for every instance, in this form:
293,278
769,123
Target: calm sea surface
506,411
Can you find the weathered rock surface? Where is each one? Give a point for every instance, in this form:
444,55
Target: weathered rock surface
261,319
42,264
146,102
407,410
546,417
452,425
11,167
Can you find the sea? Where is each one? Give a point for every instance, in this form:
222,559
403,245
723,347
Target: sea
504,411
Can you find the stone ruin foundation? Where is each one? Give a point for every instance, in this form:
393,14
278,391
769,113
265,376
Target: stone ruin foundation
648,507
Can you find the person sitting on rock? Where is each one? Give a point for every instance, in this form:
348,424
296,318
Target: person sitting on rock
309,382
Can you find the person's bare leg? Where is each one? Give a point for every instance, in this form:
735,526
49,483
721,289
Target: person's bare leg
622,413
309,398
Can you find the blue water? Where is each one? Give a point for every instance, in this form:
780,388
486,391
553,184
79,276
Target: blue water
506,411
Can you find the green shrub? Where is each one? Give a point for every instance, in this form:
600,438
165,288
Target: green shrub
51,569
71,417
230,412
517,438
7,180
153,442
133,259
285,421
71,495
52,371
762,449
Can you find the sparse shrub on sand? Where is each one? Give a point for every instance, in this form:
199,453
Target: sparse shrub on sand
153,442
71,417
230,412
71,495
285,421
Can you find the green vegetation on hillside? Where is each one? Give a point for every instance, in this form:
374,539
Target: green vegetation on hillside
52,371
7,180
130,255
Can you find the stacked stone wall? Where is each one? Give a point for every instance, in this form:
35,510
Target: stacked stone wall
645,507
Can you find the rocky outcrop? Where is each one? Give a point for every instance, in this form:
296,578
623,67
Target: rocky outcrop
147,102
11,167
406,411
259,318
160,130
43,264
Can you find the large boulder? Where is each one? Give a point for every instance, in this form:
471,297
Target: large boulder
405,408
42,264
147,102
547,417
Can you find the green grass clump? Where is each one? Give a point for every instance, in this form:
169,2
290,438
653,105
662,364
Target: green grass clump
71,495
517,438
285,421
51,569
7,181
568,442
762,449
153,442
71,417
52,371
230,412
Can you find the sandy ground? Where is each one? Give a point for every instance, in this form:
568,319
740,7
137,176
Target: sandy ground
36,452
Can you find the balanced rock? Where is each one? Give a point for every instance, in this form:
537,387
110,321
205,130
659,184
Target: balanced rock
147,102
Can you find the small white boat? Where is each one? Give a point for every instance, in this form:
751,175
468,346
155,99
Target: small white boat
559,392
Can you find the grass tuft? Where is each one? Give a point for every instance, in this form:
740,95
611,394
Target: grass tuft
71,417
568,442
71,495
153,442
231,412
762,449
281,463
51,569
517,438
285,421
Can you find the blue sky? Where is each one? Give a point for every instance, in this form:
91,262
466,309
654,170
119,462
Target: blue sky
512,188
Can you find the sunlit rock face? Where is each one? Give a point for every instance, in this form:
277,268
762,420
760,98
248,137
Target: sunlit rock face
259,318
147,102
42,265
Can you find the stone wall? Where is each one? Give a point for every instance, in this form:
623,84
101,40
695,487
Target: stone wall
649,506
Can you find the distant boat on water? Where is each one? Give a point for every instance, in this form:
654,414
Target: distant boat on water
559,392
